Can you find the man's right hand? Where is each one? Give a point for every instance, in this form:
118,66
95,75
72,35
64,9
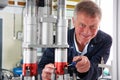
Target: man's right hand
47,71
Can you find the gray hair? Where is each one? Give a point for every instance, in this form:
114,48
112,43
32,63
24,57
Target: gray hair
88,7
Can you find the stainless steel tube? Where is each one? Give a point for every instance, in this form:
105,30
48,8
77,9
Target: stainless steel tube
61,38
30,37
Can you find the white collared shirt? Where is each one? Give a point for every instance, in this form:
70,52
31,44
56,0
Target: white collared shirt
84,50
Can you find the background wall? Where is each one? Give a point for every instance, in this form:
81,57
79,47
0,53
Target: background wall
12,47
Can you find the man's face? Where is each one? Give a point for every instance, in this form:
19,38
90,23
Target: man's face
86,27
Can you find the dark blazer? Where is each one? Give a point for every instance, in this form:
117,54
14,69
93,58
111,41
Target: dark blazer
98,47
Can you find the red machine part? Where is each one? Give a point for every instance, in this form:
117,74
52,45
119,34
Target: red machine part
33,69
60,67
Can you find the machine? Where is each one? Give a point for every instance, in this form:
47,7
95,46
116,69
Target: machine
38,33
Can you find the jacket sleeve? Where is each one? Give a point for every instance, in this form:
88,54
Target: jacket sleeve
102,52
47,57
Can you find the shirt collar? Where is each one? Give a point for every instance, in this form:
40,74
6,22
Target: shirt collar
84,50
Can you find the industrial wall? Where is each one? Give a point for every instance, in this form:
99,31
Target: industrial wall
11,46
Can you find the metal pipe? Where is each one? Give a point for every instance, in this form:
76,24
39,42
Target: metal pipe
47,27
30,37
48,5
61,38
31,7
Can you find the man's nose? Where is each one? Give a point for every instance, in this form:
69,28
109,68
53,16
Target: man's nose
87,30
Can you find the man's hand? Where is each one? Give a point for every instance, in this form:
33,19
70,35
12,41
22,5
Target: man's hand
47,71
83,65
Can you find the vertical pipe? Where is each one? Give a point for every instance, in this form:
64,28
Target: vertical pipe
30,37
116,41
40,4
31,7
47,27
61,38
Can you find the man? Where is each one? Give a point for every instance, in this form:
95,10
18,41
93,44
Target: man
86,43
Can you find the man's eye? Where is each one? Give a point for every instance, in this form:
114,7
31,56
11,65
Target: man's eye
93,27
82,25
